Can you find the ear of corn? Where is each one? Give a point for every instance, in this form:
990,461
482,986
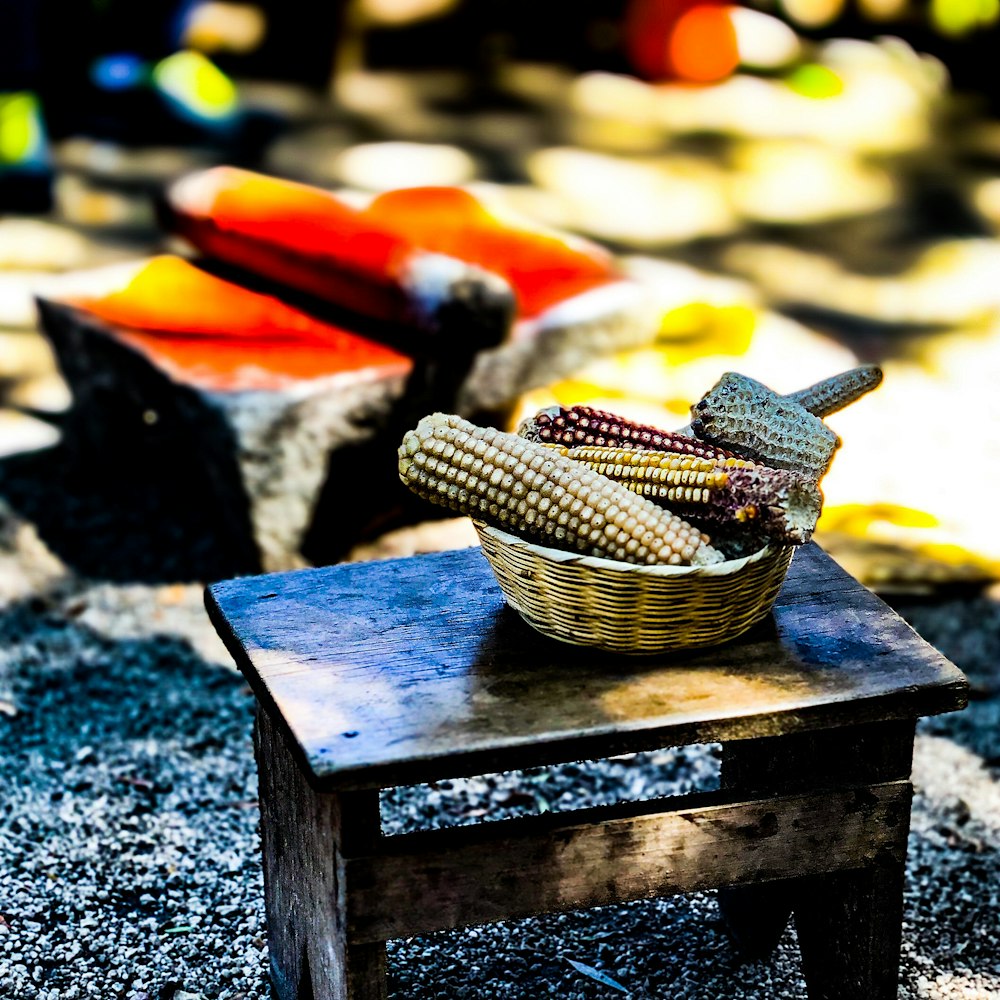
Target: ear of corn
838,391
529,489
744,415
781,504
578,426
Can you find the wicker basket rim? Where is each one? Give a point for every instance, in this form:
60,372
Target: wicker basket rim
725,568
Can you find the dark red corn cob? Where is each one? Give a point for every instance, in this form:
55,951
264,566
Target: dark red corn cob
578,426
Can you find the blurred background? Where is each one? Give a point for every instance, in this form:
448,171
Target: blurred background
801,185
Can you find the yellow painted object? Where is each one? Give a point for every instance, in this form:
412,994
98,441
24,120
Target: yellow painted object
196,85
22,132
815,80
961,17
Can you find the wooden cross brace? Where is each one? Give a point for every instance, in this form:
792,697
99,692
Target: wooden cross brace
337,889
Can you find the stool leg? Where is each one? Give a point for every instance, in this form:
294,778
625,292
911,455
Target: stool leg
303,834
850,929
755,915
360,829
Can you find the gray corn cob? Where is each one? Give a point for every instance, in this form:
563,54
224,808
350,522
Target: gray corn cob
745,416
830,395
838,391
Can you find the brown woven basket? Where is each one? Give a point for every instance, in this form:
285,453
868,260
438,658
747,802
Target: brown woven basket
627,608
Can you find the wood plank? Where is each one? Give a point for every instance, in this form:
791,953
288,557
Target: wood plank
866,753
414,669
756,915
439,879
850,930
849,923
302,833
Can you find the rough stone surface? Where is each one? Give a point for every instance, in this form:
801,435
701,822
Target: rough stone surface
283,447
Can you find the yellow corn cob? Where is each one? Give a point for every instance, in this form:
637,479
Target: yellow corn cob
527,489
838,391
651,473
783,505
745,416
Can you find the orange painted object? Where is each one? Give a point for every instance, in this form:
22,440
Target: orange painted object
542,267
212,333
692,41
362,258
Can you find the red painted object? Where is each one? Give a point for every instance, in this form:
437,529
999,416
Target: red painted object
542,267
386,260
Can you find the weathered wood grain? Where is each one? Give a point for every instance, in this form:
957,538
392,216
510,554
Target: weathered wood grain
429,881
850,924
756,915
414,669
856,754
850,928
304,836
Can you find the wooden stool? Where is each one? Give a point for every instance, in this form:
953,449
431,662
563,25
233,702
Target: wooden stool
371,675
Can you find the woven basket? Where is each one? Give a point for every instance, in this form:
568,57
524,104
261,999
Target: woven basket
627,608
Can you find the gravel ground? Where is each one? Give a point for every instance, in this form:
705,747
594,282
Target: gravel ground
129,852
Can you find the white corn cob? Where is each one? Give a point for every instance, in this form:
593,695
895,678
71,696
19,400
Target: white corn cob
526,488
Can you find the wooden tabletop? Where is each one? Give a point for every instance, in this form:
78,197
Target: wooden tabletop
409,670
